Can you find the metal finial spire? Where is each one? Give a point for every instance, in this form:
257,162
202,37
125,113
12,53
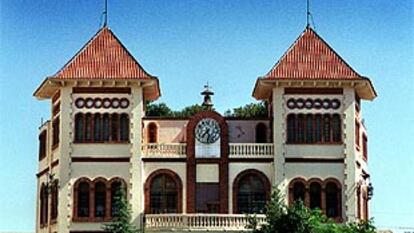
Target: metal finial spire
308,14
105,13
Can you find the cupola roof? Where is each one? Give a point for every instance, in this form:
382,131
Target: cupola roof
103,57
308,59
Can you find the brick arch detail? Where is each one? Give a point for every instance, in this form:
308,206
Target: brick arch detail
223,161
92,184
147,188
260,175
323,183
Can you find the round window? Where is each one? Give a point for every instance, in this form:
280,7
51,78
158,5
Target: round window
115,103
291,103
317,104
326,103
89,102
80,103
98,103
124,102
300,103
106,103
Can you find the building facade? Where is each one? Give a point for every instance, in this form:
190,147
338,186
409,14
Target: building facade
205,171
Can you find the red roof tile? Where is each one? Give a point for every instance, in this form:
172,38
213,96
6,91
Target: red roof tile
310,57
103,57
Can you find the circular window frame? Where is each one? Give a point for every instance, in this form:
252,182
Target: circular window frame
77,102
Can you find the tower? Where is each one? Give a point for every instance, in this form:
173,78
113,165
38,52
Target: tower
319,138
93,140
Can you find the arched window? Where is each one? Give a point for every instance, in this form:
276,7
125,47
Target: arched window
326,128
318,128
43,204
116,187
163,194
299,191
309,129
300,133
124,125
79,127
336,128
332,200
97,124
252,193
114,127
261,134
291,128
152,133
315,195
100,199
54,200
88,127
83,200
105,127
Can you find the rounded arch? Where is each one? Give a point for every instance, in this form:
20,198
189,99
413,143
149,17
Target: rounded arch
99,193
178,186
117,179
236,186
315,194
297,189
100,179
333,198
114,185
76,195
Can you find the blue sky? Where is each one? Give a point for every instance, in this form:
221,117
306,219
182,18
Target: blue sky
228,43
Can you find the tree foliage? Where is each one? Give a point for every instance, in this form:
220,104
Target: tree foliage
121,223
249,111
162,110
281,218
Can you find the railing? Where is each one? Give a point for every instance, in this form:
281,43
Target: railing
237,150
217,222
247,150
164,150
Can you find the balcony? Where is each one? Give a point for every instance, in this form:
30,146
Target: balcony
251,150
236,150
164,150
198,222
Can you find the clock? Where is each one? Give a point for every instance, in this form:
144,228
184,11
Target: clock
207,131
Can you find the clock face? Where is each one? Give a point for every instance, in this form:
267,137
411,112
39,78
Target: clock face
207,131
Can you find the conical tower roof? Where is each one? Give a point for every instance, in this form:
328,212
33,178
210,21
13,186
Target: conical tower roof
103,57
311,59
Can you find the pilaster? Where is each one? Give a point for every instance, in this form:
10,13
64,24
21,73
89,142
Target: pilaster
136,187
350,183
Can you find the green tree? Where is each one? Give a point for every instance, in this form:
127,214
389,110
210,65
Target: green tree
190,111
281,218
249,111
158,109
121,223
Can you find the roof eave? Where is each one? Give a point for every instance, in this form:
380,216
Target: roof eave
363,85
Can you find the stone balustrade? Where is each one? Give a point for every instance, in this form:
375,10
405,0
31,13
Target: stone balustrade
237,150
254,150
189,222
164,149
